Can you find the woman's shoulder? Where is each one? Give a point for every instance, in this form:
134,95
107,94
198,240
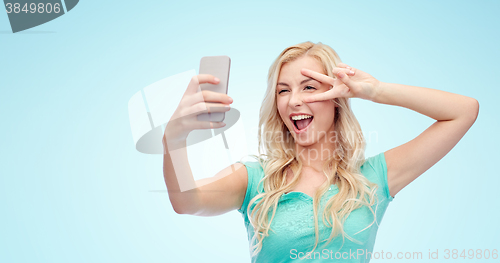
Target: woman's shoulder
255,173
374,169
375,163
256,165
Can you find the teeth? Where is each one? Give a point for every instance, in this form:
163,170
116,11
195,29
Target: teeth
301,117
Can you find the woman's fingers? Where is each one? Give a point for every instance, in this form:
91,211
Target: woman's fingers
186,119
208,125
338,90
317,76
328,95
345,86
194,84
349,71
343,65
339,84
208,96
324,78
193,103
206,107
341,89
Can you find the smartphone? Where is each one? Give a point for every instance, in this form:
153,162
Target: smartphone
218,66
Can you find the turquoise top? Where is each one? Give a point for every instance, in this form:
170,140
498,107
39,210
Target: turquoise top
292,234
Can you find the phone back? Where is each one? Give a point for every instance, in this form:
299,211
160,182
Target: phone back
217,66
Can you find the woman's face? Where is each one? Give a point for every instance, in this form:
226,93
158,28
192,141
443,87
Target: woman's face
291,89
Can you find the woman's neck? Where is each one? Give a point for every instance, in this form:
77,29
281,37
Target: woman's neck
315,155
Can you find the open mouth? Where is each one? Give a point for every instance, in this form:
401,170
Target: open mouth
301,122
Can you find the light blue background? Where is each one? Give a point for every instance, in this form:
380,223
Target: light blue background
74,189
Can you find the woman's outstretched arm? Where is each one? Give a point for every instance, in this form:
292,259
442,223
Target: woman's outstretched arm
454,115
207,197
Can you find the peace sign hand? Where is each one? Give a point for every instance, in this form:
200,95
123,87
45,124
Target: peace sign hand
358,85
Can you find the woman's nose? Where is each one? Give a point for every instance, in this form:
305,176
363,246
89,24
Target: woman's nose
295,100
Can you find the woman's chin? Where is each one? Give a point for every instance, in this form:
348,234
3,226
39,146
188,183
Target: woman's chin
304,140
306,143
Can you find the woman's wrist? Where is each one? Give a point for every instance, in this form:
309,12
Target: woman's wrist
376,92
172,142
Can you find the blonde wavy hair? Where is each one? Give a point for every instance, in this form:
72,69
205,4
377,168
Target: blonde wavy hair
277,153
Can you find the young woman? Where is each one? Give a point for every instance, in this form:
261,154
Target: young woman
311,186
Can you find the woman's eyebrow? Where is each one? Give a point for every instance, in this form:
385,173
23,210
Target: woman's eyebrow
302,82
306,80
